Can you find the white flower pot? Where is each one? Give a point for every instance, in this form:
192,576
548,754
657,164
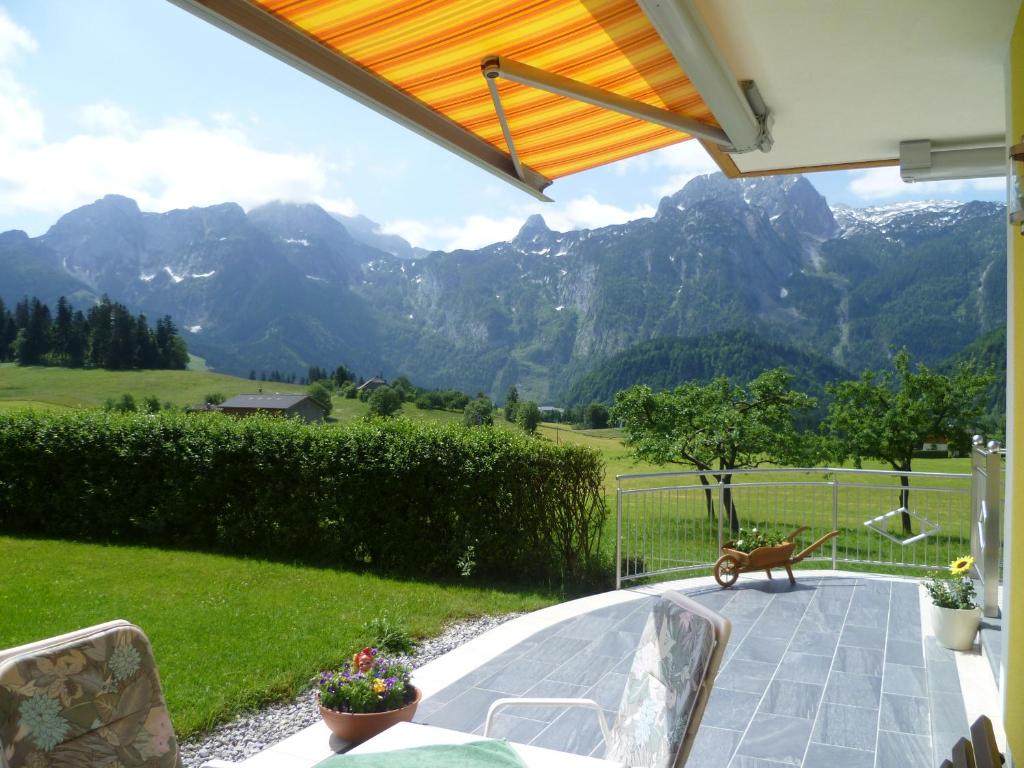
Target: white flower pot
955,628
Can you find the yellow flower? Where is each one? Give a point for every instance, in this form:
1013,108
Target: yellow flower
961,566
379,686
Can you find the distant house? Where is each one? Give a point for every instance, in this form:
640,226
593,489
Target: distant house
551,413
302,406
935,443
371,384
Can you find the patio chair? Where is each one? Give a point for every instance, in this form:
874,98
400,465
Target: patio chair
667,688
90,697
981,751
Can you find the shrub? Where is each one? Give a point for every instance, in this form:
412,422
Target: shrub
388,635
214,398
528,416
478,413
396,496
322,395
384,401
595,416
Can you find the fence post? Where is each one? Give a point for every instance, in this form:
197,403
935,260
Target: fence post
835,517
990,551
977,495
618,537
721,512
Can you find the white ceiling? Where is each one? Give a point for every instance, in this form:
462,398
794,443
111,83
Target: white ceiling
848,80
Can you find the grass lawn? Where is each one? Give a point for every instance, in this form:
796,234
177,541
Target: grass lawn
228,633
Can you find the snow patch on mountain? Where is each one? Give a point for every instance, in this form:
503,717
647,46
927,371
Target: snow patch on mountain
855,221
174,277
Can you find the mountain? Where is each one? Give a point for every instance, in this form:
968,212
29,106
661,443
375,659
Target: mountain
740,355
286,286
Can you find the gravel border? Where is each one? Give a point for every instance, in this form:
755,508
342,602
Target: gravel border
255,731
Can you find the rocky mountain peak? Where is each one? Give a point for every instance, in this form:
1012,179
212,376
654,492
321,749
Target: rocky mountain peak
533,232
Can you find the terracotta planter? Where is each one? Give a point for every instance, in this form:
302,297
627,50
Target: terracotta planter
357,728
955,628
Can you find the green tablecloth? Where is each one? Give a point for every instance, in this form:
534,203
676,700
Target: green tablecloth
475,754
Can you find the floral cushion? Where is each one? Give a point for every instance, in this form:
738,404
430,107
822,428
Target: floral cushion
662,688
93,701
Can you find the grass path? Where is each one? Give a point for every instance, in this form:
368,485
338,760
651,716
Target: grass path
228,633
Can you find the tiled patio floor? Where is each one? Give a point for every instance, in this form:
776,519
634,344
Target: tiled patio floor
833,672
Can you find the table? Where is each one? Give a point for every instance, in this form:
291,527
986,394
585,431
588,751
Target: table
404,735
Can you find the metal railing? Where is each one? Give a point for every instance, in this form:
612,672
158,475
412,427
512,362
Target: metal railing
987,491
677,521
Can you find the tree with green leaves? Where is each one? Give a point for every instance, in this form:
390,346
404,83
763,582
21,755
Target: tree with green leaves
528,416
319,392
719,427
511,402
887,415
595,416
384,402
478,412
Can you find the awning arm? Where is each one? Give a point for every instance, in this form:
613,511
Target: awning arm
249,22
738,108
499,66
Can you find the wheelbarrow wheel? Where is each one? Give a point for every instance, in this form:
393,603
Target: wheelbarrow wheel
727,570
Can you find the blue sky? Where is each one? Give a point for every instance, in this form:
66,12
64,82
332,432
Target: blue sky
140,98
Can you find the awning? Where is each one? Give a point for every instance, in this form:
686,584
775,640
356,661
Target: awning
420,63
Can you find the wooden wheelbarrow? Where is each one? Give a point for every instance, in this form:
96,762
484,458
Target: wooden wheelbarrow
733,562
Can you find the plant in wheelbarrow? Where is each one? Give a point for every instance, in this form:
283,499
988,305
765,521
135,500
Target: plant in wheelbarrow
761,549
366,695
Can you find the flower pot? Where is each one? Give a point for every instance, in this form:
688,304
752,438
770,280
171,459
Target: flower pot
955,628
358,727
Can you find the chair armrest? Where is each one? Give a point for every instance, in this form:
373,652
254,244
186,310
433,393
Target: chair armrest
564,703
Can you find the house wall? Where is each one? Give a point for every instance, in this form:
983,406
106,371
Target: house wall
1012,684
308,411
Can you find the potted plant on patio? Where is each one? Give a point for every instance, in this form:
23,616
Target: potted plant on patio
955,615
366,695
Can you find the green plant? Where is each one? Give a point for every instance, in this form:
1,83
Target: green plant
749,539
384,401
368,683
956,590
467,561
478,413
389,635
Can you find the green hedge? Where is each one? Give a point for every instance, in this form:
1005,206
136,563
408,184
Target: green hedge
398,496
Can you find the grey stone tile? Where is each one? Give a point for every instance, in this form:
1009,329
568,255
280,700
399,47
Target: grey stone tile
713,747
818,643
943,743
804,668
904,652
586,627
746,761
843,726
942,676
548,689
829,756
575,730
747,676
730,709
625,664
868,616
616,644
519,729
608,691
900,750
853,690
905,714
518,677
558,647
634,622
948,713
426,708
858,661
584,669
466,712
818,622
863,637
935,652
771,625
785,697
767,649
775,737
904,680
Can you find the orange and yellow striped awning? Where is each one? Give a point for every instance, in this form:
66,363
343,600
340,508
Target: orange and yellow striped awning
431,51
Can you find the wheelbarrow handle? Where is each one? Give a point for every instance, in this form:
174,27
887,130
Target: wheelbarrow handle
814,546
797,532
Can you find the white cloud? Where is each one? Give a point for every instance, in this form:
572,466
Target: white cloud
683,162
475,231
178,163
882,183
106,118
14,39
